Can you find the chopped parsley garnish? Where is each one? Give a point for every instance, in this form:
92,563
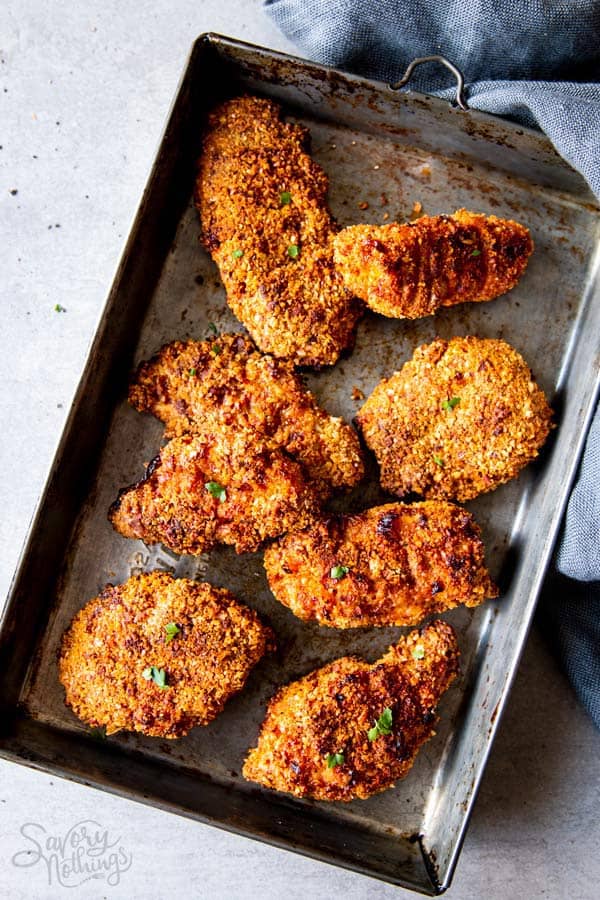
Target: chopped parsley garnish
418,651
438,461
158,676
192,371
451,403
293,250
383,725
334,759
59,308
237,254
212,327
216,490
339,572
476,253
172,630
285,198
216,349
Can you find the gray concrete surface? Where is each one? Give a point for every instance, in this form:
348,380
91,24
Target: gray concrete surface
84,91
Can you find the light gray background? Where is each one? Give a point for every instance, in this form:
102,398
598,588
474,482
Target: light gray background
84,91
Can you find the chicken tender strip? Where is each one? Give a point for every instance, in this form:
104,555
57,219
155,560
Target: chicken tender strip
159,655
200,492
411,270
350,730
460,418
265,222
206,387
390,565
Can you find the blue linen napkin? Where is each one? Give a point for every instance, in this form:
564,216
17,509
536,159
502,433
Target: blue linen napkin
537,63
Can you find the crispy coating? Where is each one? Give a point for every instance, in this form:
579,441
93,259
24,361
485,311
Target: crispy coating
265,221
460,418
411,270
206,387
122,632
330,711
404,563
265,495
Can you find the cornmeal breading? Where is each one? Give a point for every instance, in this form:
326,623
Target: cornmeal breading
411,270
319,738
201,491
460,418
390,565
124,644
265,221
209,386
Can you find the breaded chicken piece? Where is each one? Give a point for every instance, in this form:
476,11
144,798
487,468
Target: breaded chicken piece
225,383
159,655
350,730
199,492
265,221
411,270
390,565
460,418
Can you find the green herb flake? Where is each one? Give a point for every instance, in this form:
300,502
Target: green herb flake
216,490
438,461
383,725
59,308
237,254
212,327
418,651
172,630
192,371
98,733
158,676
339,572
293,250
285,198
216,349
451,403
334,759
476,253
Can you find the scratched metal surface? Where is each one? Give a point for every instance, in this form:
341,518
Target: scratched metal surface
377,153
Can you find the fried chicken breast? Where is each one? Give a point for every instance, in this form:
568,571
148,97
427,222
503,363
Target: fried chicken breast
350,730
159,655
391,565
460,418
265,221
199,492
209,386
411,270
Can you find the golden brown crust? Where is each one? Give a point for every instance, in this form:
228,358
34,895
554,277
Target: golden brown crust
206,387
330,711
293,306
460,418
266,494
404,563
122,632
411,270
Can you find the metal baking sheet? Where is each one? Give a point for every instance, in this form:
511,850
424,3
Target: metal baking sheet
389,151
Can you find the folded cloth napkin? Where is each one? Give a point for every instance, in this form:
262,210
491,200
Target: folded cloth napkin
537,63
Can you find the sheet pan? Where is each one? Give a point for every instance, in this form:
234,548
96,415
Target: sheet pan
390,151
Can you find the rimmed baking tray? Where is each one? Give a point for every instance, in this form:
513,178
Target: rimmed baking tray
389,151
